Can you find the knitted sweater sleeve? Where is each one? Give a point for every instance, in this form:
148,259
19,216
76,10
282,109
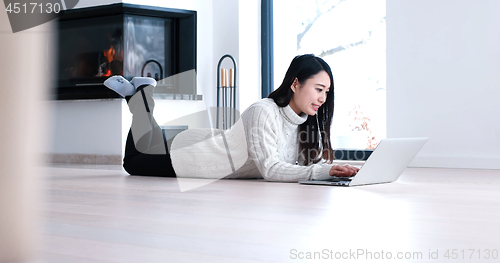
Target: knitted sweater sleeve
262,134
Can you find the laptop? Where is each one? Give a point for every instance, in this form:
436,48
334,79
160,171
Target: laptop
385,164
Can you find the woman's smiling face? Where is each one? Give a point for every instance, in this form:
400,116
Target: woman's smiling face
308,97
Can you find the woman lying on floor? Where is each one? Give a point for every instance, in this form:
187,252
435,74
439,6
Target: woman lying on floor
285,137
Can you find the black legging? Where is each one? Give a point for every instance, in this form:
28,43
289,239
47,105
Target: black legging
142,163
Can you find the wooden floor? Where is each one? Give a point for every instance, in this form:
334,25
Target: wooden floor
100,214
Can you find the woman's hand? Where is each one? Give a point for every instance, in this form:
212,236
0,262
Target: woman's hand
343,170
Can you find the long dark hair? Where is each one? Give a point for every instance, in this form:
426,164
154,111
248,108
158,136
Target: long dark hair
316,127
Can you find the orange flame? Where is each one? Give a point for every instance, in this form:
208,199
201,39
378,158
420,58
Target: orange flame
107,74
109,54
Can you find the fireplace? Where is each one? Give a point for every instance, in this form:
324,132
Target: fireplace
128,40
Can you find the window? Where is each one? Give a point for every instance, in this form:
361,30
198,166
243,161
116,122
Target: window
350,36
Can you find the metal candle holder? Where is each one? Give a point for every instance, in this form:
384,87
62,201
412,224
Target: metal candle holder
223,90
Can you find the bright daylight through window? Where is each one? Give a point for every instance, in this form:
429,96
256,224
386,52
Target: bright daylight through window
350,36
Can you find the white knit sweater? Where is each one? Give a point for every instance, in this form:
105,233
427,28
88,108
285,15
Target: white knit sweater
262,144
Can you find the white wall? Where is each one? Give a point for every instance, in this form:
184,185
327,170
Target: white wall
225,36
90,3
443,64
87,127
250,54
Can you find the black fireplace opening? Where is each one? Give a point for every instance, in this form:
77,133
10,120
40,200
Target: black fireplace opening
124,39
